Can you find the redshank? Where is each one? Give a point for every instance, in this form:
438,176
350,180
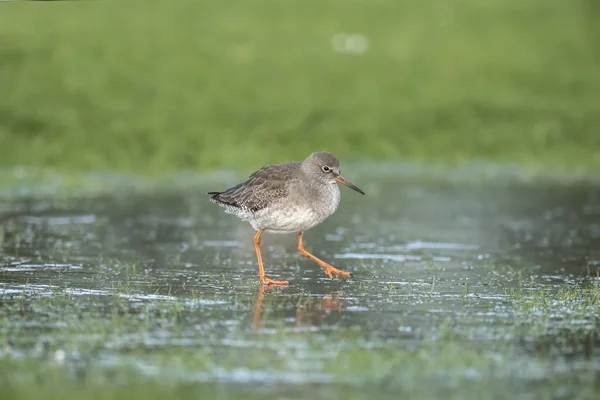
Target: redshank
288,198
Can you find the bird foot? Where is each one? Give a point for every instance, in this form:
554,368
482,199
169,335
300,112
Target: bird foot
330,271
268,281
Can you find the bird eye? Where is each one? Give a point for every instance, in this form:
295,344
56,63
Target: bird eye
325,168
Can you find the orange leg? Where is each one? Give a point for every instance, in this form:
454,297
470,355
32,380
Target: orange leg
261,270
326,267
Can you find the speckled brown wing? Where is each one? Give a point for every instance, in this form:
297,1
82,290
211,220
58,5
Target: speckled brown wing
262,188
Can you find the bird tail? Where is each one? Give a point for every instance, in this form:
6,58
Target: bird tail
215,197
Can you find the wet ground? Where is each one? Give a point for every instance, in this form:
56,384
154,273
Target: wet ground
459,291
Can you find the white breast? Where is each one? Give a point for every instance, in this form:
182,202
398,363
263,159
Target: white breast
298,216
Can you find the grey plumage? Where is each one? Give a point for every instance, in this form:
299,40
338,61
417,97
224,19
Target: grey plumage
286,198
261,188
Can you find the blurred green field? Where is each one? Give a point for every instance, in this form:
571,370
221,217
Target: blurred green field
163,86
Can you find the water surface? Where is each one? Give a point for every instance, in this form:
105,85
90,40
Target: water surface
464,291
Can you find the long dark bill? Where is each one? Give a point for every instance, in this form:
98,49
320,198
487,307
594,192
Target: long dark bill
340,179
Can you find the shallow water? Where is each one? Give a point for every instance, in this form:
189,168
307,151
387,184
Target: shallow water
456,288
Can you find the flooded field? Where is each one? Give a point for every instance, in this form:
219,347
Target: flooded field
459,291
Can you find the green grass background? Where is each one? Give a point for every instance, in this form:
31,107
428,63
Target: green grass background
151,86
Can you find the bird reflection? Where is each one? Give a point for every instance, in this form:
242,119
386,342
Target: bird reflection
309,311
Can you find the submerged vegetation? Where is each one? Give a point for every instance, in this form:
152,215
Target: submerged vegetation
113,342
148,295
